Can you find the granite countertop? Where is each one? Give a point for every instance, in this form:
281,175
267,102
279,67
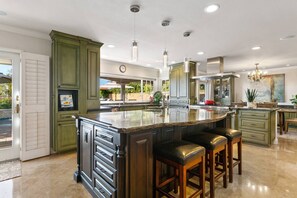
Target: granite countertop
261,109
133,121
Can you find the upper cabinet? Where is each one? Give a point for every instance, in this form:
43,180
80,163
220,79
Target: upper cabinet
75,74
93,62
182,87
67,59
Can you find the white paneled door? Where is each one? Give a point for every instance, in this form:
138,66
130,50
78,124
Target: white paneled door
35,134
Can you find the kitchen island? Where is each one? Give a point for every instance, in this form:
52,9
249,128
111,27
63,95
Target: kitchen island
258,125
115,149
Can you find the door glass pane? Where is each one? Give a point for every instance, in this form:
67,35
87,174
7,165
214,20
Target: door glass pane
5,103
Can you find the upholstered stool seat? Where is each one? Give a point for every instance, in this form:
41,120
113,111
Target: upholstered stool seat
181,155
214,144
234,137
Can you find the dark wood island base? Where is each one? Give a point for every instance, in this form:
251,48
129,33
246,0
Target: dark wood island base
115,149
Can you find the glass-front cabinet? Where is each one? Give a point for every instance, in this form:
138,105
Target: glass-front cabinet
224,90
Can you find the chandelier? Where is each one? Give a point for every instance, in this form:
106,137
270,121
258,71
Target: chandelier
255,75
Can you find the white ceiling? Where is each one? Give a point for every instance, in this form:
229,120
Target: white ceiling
230,32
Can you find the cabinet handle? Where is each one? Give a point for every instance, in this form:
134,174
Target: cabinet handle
86,137
102,170
103,136
101,190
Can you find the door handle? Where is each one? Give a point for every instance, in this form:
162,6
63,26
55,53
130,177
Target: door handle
17,108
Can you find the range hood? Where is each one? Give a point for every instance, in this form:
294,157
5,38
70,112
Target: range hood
217,75
215,69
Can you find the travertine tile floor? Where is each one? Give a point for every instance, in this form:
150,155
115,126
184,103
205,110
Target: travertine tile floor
267,172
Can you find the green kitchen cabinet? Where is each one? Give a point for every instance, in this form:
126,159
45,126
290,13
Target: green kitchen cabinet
66,139
257,126
182,87
75,72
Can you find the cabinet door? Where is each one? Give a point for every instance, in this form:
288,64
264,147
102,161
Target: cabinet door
173,83
183,85
141,165
66,136
86,132
93,61
68,61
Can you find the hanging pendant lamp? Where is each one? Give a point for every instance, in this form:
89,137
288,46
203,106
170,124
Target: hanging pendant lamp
187,60
165,23
256,75
134,50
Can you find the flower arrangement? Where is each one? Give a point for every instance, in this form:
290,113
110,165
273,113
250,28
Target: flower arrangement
294,101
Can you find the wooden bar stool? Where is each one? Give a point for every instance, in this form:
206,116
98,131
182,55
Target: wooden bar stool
214,144
234,137
181,155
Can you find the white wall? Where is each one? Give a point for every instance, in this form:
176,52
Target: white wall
111,69
242,83
16,41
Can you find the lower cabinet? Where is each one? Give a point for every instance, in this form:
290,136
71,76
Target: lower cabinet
257,126
66,136
141,163
86,150
114,164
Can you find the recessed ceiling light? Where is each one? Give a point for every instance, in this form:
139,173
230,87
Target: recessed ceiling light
110,46
211,8
148,65
200,53
2,13
287,37
256,48
288,65
172,62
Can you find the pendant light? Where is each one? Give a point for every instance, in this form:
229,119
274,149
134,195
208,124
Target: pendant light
187,65
187,60
165,23
134,51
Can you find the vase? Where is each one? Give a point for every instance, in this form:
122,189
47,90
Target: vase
250,104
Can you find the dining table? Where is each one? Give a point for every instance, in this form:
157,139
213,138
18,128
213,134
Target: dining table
281,117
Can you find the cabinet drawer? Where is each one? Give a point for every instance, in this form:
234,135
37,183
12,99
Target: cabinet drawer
105,136
64,116
101,188
260,138
105,171
252,124
106,154
254,114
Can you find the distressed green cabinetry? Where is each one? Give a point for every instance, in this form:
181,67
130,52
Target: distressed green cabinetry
75,71
182,87
257,126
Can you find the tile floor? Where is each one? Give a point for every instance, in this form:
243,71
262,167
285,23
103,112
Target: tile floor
267,172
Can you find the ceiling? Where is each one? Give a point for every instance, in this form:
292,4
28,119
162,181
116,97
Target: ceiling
230,32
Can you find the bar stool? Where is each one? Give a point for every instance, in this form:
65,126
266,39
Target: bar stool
214,144
234,137
181,155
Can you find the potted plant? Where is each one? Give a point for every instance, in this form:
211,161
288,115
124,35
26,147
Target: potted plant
294,101
251,94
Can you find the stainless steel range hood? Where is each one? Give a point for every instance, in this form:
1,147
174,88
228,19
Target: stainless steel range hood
215,70
216,76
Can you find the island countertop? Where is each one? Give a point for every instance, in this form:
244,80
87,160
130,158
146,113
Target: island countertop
131,121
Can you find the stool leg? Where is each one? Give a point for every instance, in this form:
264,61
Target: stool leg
211,173
239,148
175,181
230,160
182,181
157,164
225,183
202,177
